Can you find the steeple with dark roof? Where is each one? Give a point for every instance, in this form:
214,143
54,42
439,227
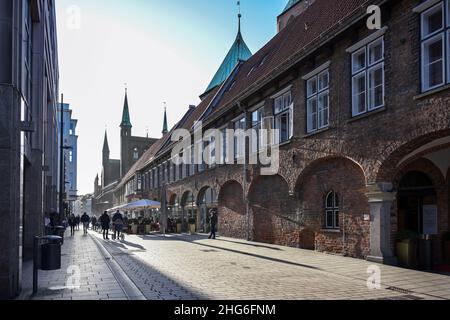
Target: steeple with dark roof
105,143
126,122
165,125
239,52
105,152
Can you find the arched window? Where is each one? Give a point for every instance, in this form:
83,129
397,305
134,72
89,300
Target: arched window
332,211
136,154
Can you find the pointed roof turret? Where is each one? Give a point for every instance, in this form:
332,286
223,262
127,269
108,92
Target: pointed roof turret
105,143
165,125
239,52
126,122
290,4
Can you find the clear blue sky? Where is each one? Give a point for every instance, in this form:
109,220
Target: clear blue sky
166,51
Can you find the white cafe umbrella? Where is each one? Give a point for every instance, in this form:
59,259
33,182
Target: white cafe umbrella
142,204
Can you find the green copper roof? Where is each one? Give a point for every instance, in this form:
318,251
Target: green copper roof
238,52
165,125
290,4
126,122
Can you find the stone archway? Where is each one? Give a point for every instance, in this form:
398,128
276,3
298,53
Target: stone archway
188,211
232,210
206,200
174,213
339,225
271,208
422,203
428,153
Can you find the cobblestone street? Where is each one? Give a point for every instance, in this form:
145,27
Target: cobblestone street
193,267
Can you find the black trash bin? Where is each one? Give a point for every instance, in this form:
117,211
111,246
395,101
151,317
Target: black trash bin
425,254
59,231
51,253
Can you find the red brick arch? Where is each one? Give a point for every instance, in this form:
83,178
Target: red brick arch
386,167
232,213
346,178
272,211
173,198
184,197
422,165
202,192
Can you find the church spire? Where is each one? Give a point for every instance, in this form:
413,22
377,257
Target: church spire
105,143
165,125
126,122
239,52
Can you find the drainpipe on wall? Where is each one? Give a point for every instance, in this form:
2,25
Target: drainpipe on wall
244,178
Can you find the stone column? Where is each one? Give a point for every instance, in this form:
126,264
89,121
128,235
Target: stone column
381,198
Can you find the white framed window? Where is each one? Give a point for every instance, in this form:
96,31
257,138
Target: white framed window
257,117
239,143
435,38
192,164
332,211
284,111
368,83
199,156
135,154
318,101
224,146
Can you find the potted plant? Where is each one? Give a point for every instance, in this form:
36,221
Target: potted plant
446,246
407,248
134,226
179,225
192,225
148,226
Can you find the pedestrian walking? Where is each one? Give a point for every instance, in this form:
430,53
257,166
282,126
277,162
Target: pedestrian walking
94,223
118,224
72,223
78,220
85,220
213,221
105,220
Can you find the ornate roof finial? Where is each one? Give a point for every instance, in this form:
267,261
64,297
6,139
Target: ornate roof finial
239,16
165,124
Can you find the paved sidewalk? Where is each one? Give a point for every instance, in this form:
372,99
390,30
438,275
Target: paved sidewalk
193,267
96,281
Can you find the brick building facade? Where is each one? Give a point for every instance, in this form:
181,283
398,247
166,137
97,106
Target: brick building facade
364,120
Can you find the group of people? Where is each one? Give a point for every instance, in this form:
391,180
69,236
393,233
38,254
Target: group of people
74,223
117,224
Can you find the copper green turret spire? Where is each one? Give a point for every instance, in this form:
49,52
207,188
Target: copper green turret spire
165,125
290,4
238,52
126,122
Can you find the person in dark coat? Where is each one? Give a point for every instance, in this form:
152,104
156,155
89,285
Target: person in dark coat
72,223
78,220
214,219
118,224
85,220
105,221
94,223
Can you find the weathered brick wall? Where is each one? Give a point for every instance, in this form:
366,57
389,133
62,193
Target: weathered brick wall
347,179
232,217
353,152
